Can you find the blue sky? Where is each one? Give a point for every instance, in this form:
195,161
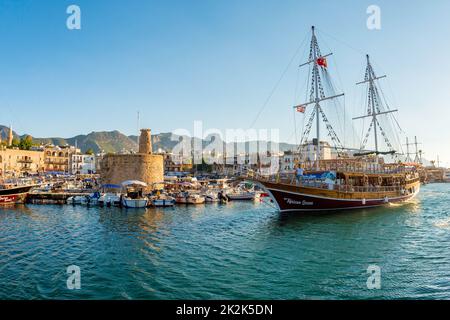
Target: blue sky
177,61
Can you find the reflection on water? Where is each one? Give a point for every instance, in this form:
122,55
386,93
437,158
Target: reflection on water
242,250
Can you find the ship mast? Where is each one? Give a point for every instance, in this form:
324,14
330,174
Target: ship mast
317,95
373,108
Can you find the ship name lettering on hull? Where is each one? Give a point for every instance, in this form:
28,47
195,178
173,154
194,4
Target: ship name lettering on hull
302,203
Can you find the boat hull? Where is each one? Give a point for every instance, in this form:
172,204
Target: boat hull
306,202
134,203
14,195
163,203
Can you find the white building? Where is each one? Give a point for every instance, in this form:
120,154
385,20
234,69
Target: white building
309,151
83,164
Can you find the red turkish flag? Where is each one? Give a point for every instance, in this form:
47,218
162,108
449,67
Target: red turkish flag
322,62
300,108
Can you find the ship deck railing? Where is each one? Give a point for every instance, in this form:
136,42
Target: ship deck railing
320,184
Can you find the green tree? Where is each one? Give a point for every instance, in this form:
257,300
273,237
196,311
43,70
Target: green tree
26,143
15,143
90,151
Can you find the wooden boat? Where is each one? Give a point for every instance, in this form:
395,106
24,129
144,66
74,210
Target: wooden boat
350,190
195,199
15,194
189,198
129,202
352,180
134,198
162,201
241,195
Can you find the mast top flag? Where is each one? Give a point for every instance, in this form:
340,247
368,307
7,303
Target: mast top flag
317,95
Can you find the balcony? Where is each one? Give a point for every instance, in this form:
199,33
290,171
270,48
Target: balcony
25,161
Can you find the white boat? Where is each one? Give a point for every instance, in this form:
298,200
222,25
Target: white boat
241,195
128,202
195,199
109,199
165,201
134,197
187,198
211,197
91,199
75,199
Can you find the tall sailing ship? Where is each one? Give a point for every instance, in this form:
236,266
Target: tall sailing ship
352,180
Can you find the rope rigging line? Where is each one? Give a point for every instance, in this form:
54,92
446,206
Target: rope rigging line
278,82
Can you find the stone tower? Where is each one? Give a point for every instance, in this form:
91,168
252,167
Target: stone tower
145,141
10,136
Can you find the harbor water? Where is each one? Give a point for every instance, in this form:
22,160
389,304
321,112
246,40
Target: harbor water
242,250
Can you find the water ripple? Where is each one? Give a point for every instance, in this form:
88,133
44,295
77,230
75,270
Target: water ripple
238,251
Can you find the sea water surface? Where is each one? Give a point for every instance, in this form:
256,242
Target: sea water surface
242,250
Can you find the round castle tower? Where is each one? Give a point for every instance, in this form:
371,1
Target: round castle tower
143,166
145,141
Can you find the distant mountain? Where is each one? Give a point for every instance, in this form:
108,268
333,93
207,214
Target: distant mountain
114,141
105,141
4,132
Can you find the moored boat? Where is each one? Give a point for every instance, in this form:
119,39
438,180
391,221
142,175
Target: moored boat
134,198
14,194
162,201
352,179
241,195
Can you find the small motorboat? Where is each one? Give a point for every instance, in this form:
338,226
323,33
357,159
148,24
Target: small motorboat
195,199
134,198
187,198
163,201
91,199
109,200
181,198
129,202
241,195
211,197
76,199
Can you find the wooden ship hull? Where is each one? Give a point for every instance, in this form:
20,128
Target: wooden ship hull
296,198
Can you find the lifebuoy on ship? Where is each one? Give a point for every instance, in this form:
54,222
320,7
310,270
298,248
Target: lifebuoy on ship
365,180
380,180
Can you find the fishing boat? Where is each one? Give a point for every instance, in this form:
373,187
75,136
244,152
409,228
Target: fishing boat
109,199
195,199
14,194
189,198
358,179
133,197
212,196
162,200
241,195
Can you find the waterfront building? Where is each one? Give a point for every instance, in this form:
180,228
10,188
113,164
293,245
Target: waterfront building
16,162
83,164
176,163
58,158
308,151
143,166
